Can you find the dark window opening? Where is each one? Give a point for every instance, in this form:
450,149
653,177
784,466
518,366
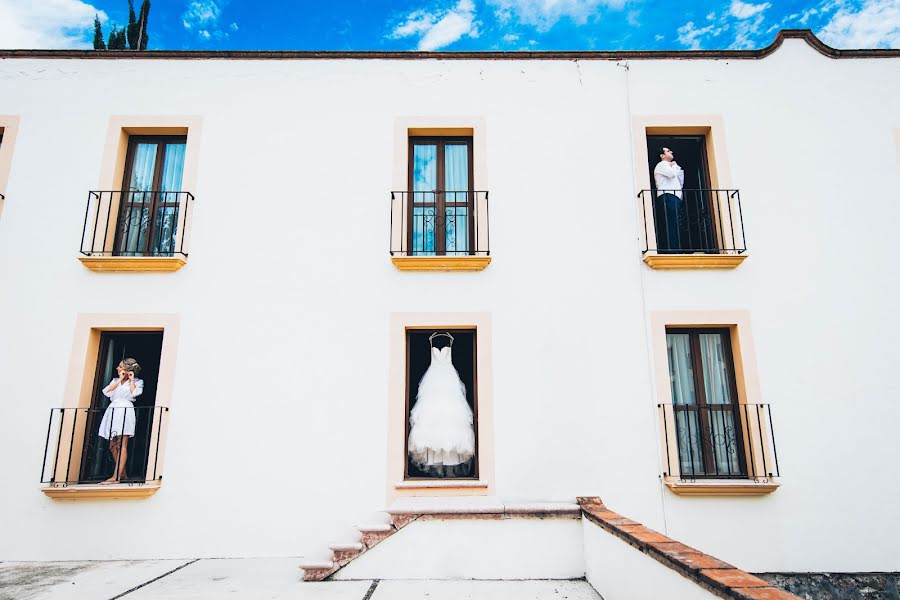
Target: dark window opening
705,403
97,462
418,359
151,196
684,216
441,211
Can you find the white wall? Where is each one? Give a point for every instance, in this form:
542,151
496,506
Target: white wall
289,274
476,549
619,572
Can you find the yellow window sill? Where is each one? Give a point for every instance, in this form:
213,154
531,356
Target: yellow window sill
441,263
415,484
93,491
133,264
694,261
729,487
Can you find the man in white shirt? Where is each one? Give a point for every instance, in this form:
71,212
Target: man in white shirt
669,179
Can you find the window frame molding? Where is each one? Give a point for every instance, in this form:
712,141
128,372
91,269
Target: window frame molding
746,379
112,177
434,126
79,390
10,126
712,126
396,484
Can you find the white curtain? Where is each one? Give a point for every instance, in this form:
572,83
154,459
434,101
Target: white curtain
137,200
716,383
167,216
687,425
456,186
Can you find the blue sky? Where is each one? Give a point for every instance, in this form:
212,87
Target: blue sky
456,24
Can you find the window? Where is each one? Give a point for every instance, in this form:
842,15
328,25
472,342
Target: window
460,344
685,213
705,405
151,197
441,211
83,446
97,463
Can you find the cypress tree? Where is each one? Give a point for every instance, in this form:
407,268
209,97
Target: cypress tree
98,35
143,38
121,44
132,30
113,40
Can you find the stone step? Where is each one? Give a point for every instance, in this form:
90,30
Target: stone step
346,547
375,528
316,565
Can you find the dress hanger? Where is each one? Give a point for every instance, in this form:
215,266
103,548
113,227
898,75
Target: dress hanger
437,334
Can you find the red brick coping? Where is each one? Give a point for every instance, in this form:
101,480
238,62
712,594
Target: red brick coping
720,578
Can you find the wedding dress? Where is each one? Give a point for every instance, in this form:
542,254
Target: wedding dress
441,434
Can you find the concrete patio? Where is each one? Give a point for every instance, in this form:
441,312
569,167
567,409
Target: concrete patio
253,579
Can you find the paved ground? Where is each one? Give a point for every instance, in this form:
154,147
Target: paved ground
251,579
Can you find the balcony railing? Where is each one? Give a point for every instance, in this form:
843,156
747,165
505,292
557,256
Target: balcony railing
439,223
136,223
74,452
693,220
719,441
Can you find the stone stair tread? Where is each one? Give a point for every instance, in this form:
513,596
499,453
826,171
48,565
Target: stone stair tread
478,505
317,564
347,546
375,527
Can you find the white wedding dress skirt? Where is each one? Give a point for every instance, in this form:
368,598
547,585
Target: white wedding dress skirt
441,433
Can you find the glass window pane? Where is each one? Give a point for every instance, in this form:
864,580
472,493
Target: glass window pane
424,171
681,370
456,167
715,369
142,167
690,452
423,223
723,441
457,230
173,168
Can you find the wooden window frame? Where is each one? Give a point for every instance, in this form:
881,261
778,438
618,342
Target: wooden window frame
408,391
161,141
440,203
700,393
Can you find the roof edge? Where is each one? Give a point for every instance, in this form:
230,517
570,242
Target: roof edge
805,34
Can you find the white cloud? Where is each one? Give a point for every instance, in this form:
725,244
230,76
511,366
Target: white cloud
204,34
745,33
233,26
47,23
659,37
876,24
745,10
510,37
543,14
689,35
438,28
201,13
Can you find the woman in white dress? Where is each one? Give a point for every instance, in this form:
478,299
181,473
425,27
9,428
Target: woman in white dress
119,420
441,432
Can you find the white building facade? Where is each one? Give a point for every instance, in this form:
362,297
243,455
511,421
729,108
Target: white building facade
737,391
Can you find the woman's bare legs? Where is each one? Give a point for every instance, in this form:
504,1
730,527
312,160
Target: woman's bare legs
118,447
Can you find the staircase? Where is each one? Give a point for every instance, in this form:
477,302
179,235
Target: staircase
407,510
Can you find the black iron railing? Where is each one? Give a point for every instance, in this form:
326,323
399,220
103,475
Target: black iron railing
693,220
135,223
439,224
719,441
76,452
